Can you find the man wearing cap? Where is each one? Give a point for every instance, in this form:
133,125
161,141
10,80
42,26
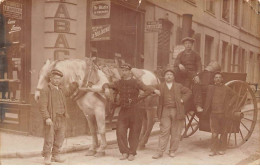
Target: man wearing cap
54,111
170,113
206,79
187,66
219,103
129,116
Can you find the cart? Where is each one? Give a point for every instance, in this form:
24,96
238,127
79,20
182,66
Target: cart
244,113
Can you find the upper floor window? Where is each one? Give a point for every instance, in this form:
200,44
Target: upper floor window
246,15
236,12
210,6
226,10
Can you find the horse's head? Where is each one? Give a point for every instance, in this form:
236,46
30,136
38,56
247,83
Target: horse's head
43,78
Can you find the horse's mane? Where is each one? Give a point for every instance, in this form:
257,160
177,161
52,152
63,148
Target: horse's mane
74,70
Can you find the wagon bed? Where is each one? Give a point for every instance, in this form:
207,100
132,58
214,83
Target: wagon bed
244,113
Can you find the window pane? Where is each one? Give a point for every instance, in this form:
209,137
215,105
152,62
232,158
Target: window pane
236,13
210,6
226,10
12,51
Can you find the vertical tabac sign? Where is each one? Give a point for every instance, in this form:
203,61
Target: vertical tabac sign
61,26
59,37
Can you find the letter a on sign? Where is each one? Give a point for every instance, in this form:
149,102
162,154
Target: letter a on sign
62,12
61,40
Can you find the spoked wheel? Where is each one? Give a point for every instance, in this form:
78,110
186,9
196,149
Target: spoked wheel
191,124
244,116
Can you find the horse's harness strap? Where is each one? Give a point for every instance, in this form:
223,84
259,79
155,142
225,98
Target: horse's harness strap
86,78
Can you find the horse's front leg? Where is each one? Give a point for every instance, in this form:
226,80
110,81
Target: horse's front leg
93,131
101,123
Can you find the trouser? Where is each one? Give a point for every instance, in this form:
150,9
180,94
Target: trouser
129,118
187,81
217,125
54,136
172,127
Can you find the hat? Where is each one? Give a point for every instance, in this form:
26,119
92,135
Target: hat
187,39
168,70
56,72
126,66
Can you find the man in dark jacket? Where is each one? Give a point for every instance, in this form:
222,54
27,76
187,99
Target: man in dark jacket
171,113
219,102
130,116
187,67
54,111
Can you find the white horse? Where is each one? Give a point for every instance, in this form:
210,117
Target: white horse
91,103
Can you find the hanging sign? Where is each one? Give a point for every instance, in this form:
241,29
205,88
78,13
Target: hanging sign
100,9
153,26
100,32
13,10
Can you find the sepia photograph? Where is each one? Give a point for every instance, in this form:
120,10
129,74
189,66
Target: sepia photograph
129,82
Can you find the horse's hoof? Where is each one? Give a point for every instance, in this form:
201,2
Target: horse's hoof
90,153
100,154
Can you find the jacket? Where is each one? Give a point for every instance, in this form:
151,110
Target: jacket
46,103
229,101
129,91
192,63
180,93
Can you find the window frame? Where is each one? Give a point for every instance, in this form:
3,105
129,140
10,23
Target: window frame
211,12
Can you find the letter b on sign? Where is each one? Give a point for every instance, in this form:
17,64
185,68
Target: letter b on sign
61,26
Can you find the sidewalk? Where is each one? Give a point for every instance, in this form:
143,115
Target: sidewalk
21,146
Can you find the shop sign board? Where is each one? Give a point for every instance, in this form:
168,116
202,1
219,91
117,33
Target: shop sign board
13,10
153,26
100,9
100,32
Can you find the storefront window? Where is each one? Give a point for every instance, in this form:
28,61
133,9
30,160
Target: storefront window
12,50
125,37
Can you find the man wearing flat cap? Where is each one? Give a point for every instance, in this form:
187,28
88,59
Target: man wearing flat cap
54,111
130,117
170,113
187,67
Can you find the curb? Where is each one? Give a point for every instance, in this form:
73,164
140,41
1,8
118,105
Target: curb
69,149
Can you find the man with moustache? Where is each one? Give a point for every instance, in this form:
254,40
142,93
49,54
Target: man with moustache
170,113
219,102
130,117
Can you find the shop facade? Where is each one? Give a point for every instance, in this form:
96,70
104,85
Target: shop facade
56,30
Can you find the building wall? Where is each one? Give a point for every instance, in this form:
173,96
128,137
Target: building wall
210,26
66,38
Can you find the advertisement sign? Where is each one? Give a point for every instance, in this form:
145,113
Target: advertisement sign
100,9
13,10
100,32
153,26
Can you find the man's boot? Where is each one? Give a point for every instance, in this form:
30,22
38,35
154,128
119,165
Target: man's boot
47,159
57,158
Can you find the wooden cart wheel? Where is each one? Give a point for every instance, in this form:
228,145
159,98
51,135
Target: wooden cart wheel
191,124
241,126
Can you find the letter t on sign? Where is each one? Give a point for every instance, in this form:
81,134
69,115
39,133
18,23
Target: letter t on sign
61,26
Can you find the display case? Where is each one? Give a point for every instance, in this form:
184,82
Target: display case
12,51
15,65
